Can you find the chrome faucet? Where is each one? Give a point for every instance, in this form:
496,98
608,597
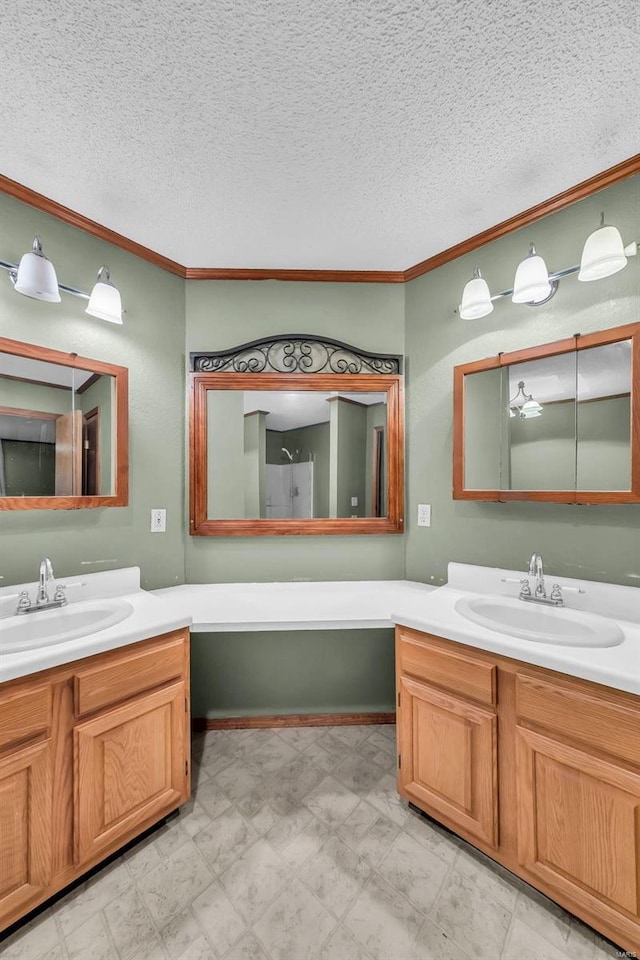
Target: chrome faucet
535,570
46,574
555,599
42,599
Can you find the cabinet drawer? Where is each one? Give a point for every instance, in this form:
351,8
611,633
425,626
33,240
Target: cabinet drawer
127,674
25,714
577,714
458,672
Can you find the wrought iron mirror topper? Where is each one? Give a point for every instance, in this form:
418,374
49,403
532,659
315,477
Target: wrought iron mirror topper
294,353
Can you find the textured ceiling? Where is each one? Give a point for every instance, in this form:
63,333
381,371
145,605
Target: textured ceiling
328,134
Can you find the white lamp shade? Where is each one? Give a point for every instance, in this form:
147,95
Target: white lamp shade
105,302
476,300
603,254
36,276
530,409
531,284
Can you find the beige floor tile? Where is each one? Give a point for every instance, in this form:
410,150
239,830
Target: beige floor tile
200,949
273,754
193,817
432,943
497,882
342,946
90,941
218,918
255,880
295,926
468,916
181,931
383,921
236,781
433,837
300,737
383,742
307,842
256,810
249,948
129,924
335,874
33,941
359,774
415,871
384,797
225,839
525,943
174,883
358,823
545,916
317,753
152,950
104,887
143,857
294,780
289,826
331,802
212,799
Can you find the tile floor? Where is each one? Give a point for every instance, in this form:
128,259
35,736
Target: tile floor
296,846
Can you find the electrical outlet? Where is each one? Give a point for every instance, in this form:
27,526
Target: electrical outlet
158,521
424,514
354,501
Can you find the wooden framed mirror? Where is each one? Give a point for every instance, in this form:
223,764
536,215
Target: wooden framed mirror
63,430
296,435
557,423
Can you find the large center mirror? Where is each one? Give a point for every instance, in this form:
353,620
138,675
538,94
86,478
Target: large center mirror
63,430
557,422
296,452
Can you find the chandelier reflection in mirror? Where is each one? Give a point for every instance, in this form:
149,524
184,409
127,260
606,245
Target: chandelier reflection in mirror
523,405
35,277
604,253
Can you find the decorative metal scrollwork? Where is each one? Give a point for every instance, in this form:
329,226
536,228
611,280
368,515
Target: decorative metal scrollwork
293,353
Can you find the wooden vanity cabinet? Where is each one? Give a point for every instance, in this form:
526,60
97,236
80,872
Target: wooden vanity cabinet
539,770
91,754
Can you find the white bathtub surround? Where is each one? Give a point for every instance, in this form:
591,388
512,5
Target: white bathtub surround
616,666
323,605
149,617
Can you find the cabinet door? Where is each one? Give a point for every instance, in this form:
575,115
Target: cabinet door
448,758
131,768
579,827
26,810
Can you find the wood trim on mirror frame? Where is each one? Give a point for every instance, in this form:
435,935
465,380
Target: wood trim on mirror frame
201,383
120,497
630,331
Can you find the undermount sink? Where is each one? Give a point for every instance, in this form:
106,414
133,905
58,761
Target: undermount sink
540,624
49,627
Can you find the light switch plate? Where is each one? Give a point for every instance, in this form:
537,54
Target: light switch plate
424,514
354,501
158,521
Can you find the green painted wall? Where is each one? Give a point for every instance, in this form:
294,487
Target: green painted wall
598,542
348,445
151,345
376,417
314,671
224,313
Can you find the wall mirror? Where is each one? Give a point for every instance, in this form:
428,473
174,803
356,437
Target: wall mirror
560,422
295,435
63,430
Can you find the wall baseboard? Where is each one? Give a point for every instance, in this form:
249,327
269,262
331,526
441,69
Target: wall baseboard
290,720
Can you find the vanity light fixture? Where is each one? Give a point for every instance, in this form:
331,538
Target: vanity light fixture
523,405
105,302
604,254
35,277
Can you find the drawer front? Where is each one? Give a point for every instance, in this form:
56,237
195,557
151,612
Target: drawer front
583,715
25,714
127,674
458,672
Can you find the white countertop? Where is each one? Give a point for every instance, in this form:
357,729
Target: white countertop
150,618
338,605
617,667
321,605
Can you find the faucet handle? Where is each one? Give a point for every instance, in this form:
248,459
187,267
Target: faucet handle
525,589
23,600
59,596
556,593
